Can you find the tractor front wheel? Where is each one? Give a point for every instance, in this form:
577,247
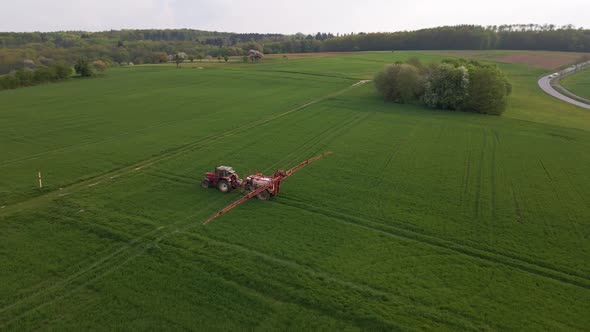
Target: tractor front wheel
223,186
264,196
205,183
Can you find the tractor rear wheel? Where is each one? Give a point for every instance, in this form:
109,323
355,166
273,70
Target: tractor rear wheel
205,183
264,196
223,186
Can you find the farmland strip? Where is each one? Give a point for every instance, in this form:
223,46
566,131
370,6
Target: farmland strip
47,197
480,253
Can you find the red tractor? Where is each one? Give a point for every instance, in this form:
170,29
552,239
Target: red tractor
224,178
259,185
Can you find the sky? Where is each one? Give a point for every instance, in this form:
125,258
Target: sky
278,16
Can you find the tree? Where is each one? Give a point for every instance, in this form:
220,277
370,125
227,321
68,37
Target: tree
178,59
401,83
83,68
219,58
245,58
226,58
160,57
191,58
447,87
200,56
99,65
488,90
255,55
62,71
29,64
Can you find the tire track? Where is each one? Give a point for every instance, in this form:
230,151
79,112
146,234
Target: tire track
96,267
513,261
319,143
169,154
302,148
365,289
101,267
479,180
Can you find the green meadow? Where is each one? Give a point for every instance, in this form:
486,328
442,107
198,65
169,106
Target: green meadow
419,219
578,83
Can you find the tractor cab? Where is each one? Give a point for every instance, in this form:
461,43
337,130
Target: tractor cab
224,171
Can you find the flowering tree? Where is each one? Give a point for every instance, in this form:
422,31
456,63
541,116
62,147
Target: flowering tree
447,87
255,55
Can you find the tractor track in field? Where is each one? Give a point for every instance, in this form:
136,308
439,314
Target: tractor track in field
169,154
363,288
98,269
311,74
313,142
75,146
486,254
479,179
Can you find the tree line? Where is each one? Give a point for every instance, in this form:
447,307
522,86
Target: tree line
469,37
154,46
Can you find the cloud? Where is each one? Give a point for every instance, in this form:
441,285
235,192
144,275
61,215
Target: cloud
282,16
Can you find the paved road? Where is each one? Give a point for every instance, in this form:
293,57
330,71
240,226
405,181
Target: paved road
546,86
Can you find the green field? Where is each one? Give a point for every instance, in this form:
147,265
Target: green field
578,83
420,219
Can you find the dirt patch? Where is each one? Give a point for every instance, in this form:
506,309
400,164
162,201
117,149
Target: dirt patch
538,59
308,55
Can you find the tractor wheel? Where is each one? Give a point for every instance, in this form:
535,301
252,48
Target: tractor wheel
205,183
264,196
223,186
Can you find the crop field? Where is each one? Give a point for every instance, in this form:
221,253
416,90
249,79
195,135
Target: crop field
419,219
578,83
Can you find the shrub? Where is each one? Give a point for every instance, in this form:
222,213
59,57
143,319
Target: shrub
25,76
9,81
44,74
400,83
83,68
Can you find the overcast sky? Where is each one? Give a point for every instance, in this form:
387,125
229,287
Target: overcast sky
280,16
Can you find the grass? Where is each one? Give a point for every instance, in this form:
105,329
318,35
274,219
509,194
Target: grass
578,83
420,219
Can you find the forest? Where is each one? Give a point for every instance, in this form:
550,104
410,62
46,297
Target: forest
154,46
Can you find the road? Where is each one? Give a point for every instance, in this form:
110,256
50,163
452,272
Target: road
546,86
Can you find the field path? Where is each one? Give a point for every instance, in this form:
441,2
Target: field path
111,175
